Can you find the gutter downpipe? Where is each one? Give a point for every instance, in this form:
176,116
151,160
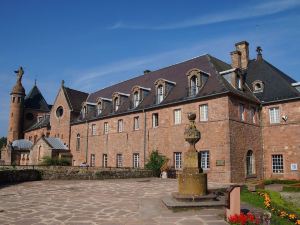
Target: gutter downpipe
87,141
145,136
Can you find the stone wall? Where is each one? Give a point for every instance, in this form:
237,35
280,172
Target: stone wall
16,176
9,174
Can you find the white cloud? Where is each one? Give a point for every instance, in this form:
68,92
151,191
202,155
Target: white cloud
262,9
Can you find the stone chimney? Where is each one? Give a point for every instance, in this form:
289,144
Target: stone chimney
259,55
235,59
243,48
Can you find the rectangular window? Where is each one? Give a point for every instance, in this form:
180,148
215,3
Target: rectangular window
40,118
93,129
242,112
155,120
177,116
92,164
274,115
136,160
277,163
204,112
177,160
204,155
239,83
104,160
120,126
136,122
106,128
119,160
253,115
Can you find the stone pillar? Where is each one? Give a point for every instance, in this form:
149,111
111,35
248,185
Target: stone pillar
192,181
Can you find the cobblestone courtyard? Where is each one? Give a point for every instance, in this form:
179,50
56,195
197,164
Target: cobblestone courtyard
114,202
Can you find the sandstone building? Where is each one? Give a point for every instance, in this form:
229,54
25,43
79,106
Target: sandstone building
248,114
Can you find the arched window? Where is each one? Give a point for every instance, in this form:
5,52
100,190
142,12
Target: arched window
160,94
99,108
116,103
194,84
250,163
136,99
78,142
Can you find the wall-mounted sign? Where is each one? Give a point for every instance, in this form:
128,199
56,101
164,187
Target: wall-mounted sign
220,163
294,166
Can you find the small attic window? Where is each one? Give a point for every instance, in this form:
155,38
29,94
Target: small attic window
116,103
59,111
163,88
257,86
136,99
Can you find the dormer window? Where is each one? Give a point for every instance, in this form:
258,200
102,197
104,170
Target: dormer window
119,99
116,103
136,99
138,94
258,86
194,84
239,82
163,87
84,112
99,108
160,94
196,80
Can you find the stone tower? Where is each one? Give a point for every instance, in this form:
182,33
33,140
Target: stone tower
15,127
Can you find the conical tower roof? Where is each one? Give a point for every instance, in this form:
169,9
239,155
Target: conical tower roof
35,100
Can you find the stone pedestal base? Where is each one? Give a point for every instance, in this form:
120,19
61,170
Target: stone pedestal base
192,183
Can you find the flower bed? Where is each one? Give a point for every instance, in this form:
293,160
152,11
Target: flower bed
282,213
243,219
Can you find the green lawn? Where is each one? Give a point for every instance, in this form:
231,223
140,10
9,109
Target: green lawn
255,200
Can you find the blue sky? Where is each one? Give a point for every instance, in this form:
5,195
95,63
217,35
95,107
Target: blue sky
93,44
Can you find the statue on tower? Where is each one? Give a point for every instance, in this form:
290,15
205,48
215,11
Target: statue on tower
19,73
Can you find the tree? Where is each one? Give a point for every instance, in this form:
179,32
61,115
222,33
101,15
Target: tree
155,162
3,141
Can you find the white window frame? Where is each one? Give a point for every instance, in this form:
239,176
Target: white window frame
239,83
78,142
99,108
119,160
203,109
177,160
277,163
136,99
136,160
94,130
274,114
177,116
104,160
116,103
155,122
136,123
120,126
242,112
106,128
160,94
194,85
93,159
205,159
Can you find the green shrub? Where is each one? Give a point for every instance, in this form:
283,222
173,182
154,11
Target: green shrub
49,161
276,181
291,188
155,162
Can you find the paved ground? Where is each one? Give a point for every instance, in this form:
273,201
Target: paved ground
114,202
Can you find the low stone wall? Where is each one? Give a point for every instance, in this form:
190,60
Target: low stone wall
16,176
29,173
